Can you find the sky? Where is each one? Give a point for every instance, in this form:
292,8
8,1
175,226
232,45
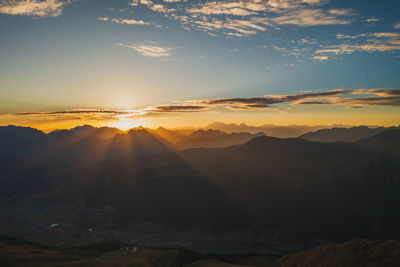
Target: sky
176,63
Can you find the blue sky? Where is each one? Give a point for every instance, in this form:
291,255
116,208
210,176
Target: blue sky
138,55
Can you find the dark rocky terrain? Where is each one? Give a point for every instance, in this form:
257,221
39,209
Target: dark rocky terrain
16,252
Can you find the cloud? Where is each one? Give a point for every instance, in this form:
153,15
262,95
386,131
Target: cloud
103,18
362,97
268,101
77,111
315,2
366,42
342,12
371,101
241,18
396,25
256,17
178,108
311,17
146,2
130,21
148,50
356,98
321,57
240,8
134,2
378,91
345,44
336,49
78,114
47,8
235,27
339,97
369,20
314,103
386,34
155,7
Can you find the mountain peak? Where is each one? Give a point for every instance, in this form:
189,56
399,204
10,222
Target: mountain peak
13,129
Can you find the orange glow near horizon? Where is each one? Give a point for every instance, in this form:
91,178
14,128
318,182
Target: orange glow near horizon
125,124
382,116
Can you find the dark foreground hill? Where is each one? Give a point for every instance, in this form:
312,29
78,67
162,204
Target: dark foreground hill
269,194
352,254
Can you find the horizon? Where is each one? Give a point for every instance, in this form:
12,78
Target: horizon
216,125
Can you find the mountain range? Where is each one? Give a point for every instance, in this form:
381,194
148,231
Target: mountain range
288,131
293,191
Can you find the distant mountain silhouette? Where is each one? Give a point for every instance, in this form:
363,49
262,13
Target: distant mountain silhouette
215,138
353,134
82,132
288,131
173,136
60,151
82,140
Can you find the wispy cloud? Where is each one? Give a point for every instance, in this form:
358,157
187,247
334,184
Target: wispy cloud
130,21
77,114
134,3
47,8
77,111
148,50
242,18
339,97
103,18
366,42
268,101
239,8
245,18
360,98
155,7
373,19
177,108
314,17
321,57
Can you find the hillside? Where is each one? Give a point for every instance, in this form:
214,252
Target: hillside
282,194
386,141
15,252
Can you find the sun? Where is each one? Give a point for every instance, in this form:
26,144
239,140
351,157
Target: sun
124,123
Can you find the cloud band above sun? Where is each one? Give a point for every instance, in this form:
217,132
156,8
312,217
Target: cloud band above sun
357,98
